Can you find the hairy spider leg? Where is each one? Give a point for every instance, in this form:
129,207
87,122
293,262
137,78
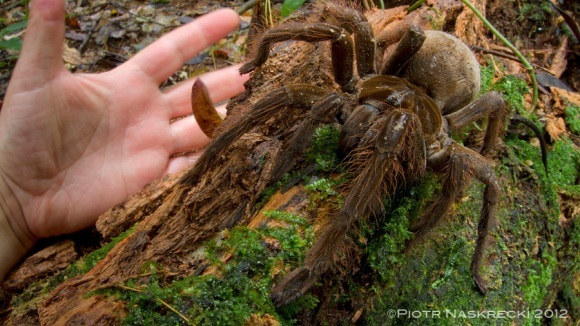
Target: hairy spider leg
355,126
377,164
410,43
492,105
341,48
355,23
300,95
324,110
462,164
206,116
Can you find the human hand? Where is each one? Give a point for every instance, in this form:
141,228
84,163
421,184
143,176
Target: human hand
74,145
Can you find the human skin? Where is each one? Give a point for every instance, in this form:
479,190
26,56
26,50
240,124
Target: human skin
74,145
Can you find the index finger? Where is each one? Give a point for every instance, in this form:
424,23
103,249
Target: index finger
165,56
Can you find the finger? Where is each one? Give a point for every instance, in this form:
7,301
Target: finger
222,85
166,55
179,163
41,54
187,136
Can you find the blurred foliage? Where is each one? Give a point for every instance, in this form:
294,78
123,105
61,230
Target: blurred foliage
289,6
12,43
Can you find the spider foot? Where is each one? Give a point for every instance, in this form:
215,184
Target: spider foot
248,67
293,286
204,112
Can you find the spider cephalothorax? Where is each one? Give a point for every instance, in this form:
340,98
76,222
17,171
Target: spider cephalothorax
396,117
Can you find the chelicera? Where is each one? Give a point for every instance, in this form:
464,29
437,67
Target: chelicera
396,114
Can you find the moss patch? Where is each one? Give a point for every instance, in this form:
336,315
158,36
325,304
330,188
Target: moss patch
564,165
237,290
513,90
324,148
573,119
521,261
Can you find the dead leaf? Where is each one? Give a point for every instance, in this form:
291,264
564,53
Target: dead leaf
118,33
73,22
264,320
555,126
73,56
223,54
357,315
73,35
272,243
559,61
563,98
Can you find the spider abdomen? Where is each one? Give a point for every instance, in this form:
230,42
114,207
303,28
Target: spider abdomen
447,69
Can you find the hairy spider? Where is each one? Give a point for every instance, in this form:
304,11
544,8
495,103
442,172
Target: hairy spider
396,123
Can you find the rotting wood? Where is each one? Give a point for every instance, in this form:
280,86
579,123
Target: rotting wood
43,263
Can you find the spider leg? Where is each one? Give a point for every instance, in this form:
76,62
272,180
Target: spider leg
355,127
410,43
378,165
322,111
355,23
298,95
206,116
341,50
464,163
491,104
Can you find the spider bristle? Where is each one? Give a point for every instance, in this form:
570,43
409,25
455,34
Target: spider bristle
339,5
255,43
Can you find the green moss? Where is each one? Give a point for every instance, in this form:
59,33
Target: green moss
240,289
324,148
514,89
294,240
323,153
288,313
570,294
390,232
323,188
564,165
521,261
226,300
537,11
84,265
286,217
573,119
538,280
575,235
487,74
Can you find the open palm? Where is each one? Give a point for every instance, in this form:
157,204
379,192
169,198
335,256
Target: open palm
73,145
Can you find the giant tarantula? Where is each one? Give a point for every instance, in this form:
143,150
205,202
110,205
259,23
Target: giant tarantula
396,122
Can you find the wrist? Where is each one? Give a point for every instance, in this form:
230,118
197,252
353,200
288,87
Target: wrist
15,238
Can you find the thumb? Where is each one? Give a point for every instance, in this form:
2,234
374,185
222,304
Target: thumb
41,56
